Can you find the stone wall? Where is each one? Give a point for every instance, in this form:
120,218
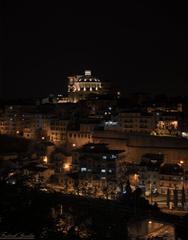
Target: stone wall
173,148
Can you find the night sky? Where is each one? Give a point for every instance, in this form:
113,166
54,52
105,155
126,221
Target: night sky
140,47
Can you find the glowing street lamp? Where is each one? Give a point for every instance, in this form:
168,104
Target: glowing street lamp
66,167
45,159
134,179
181,162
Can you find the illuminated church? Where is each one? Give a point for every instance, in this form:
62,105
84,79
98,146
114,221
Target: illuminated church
82,86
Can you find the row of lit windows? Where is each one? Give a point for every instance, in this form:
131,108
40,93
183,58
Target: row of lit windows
88,89
84,169
57,138
89,79
79,135
112,156
57,133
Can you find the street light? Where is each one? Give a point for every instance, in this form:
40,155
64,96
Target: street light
134,179
151,199
45,159
66,167
181,162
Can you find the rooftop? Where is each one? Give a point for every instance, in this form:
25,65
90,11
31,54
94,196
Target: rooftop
171,169
98,148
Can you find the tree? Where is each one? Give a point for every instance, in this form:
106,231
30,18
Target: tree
183,199
168,198
128,188
175,198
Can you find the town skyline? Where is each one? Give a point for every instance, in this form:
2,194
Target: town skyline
94,120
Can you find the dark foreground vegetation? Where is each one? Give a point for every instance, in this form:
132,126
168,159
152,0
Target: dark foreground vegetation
51,215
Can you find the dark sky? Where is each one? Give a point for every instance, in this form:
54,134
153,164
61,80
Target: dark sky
138,46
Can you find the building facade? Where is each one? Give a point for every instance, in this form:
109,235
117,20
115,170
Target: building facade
100,171
81,86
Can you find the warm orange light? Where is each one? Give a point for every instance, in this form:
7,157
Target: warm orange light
66,167
74,145
136,176
45,159
181,162
134,179
17,132
175,124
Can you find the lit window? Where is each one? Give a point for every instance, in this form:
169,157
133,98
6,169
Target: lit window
13,182
185,134
66,167
103,170
45,159
104,157
83,169
110,170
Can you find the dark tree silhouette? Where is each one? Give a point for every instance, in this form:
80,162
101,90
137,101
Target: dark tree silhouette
175,198
168,198
183,199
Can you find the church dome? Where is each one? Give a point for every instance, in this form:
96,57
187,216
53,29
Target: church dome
87,77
